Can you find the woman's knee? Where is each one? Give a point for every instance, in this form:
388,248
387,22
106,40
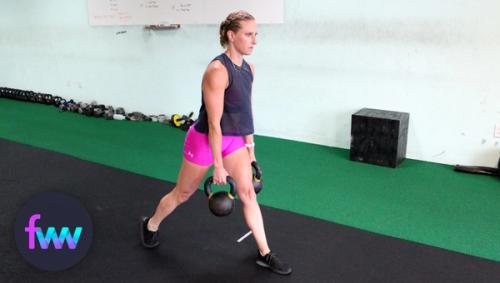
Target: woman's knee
183,195
177,196
246,193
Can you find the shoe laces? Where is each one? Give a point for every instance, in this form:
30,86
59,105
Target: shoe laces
273,258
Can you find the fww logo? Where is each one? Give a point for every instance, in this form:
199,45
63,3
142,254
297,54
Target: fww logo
51,235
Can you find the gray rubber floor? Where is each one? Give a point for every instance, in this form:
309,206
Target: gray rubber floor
197,246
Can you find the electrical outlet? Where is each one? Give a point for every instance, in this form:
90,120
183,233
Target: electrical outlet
497,131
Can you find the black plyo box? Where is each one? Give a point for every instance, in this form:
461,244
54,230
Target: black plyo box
379,136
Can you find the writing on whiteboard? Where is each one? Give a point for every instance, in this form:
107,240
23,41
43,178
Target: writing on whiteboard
182,7
153,12
150,5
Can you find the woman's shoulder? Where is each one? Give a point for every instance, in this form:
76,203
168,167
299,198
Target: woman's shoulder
252,67
216,67
216,73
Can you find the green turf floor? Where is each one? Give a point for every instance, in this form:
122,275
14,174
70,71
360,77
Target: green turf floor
420,201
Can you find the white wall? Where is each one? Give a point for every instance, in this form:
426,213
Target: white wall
437,60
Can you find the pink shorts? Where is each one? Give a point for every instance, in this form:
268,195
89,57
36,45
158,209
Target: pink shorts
197,147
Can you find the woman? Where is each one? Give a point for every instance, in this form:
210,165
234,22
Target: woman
222,137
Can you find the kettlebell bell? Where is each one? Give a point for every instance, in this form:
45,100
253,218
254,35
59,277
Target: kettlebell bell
257,177
220,203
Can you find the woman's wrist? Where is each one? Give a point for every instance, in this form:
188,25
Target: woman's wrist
250,145
218,164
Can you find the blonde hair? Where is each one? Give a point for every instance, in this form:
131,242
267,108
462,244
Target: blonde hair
232,23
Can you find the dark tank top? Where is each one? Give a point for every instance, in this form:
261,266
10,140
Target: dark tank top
237,119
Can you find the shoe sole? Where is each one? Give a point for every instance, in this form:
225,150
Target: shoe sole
141,223
263,264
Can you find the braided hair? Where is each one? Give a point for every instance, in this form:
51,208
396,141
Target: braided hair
232,23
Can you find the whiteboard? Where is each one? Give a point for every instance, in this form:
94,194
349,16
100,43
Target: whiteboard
155,12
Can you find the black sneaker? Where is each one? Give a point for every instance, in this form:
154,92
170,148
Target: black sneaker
272,261
148,239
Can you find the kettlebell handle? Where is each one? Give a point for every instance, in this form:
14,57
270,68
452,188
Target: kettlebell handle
210,180
258,170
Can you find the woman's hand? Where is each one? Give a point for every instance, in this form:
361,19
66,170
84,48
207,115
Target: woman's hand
220,176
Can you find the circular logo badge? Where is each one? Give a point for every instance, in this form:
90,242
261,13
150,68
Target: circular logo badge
53,231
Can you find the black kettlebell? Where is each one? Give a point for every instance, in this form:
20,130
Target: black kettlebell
257,177
220,203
